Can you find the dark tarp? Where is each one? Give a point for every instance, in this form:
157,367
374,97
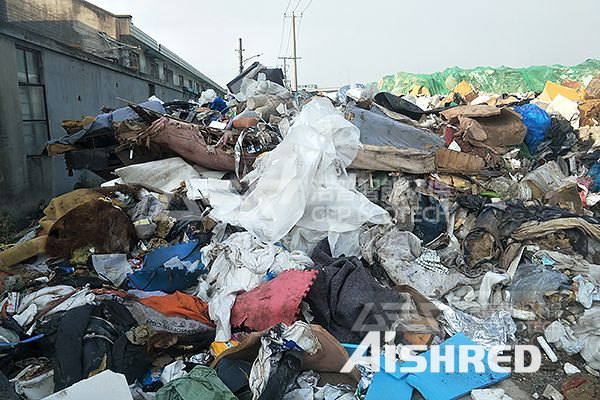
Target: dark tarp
378,129
347,301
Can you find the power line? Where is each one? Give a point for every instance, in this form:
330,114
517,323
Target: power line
295,8
287,8
305,8
299,24
281,37
287,46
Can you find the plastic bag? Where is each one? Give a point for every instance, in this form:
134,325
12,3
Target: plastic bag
113,267
343,91
537,122
251,88
207,96
531,282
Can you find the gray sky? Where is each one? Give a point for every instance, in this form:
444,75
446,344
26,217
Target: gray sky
361,41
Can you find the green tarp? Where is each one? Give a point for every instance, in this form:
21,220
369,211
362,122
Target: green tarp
491,80
202,383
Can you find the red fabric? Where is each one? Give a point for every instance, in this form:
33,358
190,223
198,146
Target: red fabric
181,305
272,302
448,135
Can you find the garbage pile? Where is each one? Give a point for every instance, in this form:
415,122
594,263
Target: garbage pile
245,247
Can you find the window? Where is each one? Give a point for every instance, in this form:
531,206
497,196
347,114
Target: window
180,80
154,70
168,74
33,101
131,59
151,89
190,86
197,86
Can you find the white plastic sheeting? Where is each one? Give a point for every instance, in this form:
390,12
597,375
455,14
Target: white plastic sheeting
201,188
36,301
302,183
105,385
239,264
112,267
165,175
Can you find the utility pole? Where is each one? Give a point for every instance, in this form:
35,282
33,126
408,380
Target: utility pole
284,66
241,57
294,83
295,57
285,69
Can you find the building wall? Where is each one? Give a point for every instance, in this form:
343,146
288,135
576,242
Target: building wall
22,182
75,23
62,10
82,72
74,88
78,24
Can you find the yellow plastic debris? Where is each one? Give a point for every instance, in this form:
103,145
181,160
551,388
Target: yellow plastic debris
219,347
466,90
418,90
551,90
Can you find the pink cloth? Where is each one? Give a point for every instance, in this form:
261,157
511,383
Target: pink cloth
273,302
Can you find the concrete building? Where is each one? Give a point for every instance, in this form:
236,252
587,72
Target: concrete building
66,59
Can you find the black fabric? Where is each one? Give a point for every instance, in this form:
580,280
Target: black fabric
578,240
483,244
90,337
472,202
78,281
69,351
185,345
6,390
344,296
430,219
286,371
559,138
399,105
192,228
515,214
234,374
590,159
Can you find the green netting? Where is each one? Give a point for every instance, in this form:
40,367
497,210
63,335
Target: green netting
492,80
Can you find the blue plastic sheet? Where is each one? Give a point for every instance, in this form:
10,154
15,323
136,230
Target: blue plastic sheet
153,276
537,122
594,173
453,385
433,385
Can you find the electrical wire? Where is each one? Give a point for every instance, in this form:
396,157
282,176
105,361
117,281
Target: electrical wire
298,28
298,4
281,38
287,46
305,8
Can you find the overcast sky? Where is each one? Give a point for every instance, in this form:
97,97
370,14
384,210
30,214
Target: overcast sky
361,41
